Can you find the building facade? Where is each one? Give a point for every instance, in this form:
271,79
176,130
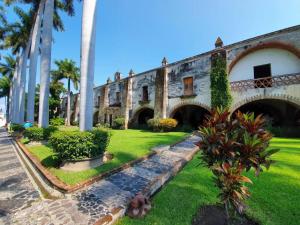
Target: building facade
264,75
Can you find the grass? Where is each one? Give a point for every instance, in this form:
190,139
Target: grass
126,145
274,201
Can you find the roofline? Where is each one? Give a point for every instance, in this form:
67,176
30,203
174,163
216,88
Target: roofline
226,47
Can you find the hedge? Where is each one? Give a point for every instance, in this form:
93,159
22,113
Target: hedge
75,145
38,133
58,121
119,123
162,125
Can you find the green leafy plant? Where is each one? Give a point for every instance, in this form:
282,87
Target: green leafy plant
119,123
57,121
219,84
39,133
14,127
162,125
231,146
75,145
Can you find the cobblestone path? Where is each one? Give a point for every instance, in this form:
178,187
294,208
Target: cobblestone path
105,201
16,190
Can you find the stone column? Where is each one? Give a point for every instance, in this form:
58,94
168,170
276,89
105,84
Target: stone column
103,101
161,91
128,98
165,88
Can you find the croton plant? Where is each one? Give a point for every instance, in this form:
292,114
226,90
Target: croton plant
230,146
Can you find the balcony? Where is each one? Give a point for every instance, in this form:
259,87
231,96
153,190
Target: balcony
266,82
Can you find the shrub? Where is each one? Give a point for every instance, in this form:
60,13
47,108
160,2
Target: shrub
154,124
119,123
16,127
58,121
103,125
230,147
162,124
101,138
38,133
75,145
167,124
49,131
34,133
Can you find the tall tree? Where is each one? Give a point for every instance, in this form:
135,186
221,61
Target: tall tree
7,70
88,36
46,58
67,69
16,39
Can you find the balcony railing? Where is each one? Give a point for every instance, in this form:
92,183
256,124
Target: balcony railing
266,82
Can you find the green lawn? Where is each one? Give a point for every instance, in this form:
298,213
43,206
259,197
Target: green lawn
274,201
126,145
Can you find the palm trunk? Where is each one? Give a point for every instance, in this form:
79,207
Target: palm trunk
46,64
69,103
23,73
7,107
34,51
15,92
88,35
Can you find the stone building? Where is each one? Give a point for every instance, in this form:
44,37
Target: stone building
264,74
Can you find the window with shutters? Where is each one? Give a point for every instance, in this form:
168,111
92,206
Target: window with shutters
188,86
145,93
118,97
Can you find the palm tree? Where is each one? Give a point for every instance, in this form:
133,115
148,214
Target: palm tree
46,57
17,38
88,35
67,69
7,70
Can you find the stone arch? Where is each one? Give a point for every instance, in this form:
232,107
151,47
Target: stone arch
189,114
184,103
96,118
264,45
288,98
141,115
282,110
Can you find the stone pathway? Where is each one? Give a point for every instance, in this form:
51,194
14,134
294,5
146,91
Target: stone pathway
105,201
16,190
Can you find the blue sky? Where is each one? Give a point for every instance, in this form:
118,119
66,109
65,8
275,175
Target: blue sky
137,34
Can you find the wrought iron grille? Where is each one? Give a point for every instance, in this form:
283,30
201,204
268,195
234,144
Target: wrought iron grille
266,82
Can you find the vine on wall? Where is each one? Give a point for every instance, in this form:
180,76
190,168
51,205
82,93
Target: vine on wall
220,90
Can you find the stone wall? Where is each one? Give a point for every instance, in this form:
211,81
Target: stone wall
198,67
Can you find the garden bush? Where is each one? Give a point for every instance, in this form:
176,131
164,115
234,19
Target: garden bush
39,133
119,123
16,127
285,132
230,147
75,145
58,121
162,125
34,133
167,124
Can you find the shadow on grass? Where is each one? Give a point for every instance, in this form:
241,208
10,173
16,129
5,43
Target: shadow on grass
51,161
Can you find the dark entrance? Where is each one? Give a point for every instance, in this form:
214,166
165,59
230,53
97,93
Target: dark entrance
262,71
190,115
145,115
278,113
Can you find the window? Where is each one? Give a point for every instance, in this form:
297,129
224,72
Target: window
99,100
118,97
188,86
262,71
145,94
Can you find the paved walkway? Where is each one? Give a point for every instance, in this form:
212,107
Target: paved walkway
106,201
16,190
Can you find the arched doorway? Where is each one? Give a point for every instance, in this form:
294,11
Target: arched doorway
144,115
96,118
190,115
279,113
